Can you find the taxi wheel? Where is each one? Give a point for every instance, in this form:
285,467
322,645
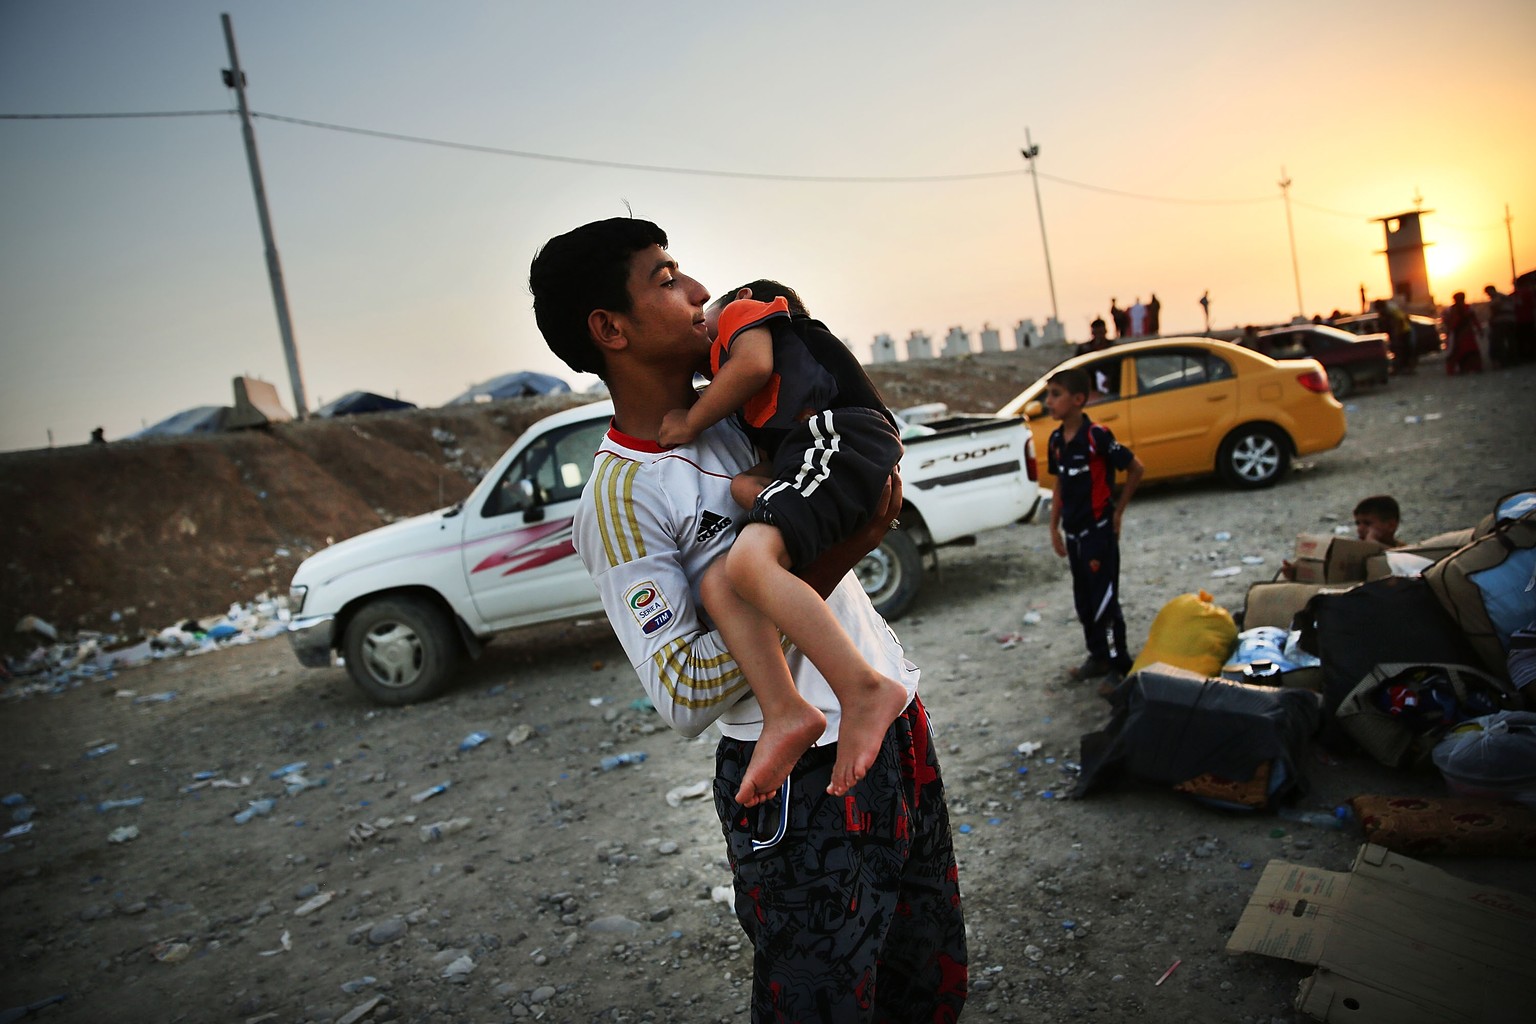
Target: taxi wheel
1254,456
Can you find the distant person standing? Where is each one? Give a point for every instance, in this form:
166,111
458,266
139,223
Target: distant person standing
1154,316
1525,318
1098,338
98,436
1205,307
1085,518
1122,319
1501,328
1138,318
1394,323
1461,330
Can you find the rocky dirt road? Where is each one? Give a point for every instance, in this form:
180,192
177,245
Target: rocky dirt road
564,892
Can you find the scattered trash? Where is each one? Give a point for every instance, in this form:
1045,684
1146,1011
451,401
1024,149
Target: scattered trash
285,944
1032,618
13,799
613,761
1028,748
295,784
288,769
519,734
723,894
33,624
112,805
313,904
428,794
1230,570
23,812
101,751
256,809
172,952
1253,559
18,830
358,984
359,1011
156,698
473,740
1222,535
435,831
1166,974
360,833
126,834
1337,819
677,794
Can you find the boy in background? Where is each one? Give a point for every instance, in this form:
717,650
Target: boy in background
829,446
1376,518
1085,518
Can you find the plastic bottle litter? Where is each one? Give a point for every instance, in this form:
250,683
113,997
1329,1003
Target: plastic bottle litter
435,831
473,740
112,805
288,769
1337,819
428,794
95,752
613,761
126,834
257,809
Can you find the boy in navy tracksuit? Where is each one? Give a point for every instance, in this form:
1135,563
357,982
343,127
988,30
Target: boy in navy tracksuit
1085,518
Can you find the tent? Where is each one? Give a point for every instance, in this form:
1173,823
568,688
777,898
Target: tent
512,385
202,419
354,403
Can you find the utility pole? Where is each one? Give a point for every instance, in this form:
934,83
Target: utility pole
1510,234
1031,152
234,78
1290,230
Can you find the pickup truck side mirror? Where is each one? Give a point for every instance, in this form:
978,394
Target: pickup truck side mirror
528,501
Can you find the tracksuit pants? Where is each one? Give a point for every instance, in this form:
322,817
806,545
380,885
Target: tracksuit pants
852,903
1094,557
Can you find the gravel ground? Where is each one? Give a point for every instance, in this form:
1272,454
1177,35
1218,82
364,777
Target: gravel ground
564,892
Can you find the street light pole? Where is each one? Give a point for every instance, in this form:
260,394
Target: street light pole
1285,190
234,78
1031,152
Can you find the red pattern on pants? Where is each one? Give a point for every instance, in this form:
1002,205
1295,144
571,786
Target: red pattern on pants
852,903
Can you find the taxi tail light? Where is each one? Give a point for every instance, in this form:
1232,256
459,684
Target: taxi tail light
1030,466
1314,380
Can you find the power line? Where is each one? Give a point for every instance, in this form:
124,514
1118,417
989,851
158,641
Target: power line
848,179
85,117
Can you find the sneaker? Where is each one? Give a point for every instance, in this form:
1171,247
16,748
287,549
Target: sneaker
1110,684
1091,668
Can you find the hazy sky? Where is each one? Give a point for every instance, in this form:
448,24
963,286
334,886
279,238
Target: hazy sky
133,282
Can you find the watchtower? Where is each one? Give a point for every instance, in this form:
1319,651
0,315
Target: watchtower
1406,269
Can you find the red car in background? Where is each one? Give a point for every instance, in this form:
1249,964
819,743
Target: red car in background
1349,361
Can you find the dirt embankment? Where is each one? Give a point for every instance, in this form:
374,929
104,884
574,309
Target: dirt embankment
162,530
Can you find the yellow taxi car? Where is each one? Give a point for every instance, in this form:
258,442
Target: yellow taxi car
1194,406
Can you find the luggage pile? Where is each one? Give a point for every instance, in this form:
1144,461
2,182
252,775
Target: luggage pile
1415,656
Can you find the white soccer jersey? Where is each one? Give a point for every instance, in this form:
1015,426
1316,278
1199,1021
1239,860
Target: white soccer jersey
650,520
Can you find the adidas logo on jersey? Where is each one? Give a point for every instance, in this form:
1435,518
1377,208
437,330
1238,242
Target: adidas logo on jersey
711,525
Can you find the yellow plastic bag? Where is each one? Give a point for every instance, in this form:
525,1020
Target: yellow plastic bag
1191,632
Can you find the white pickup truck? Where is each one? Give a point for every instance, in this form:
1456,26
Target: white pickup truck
403,604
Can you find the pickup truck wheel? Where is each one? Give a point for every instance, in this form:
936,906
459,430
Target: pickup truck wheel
891,574
1340,383
1253,456
401,650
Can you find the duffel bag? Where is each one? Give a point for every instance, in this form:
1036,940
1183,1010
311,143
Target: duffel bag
1488,588
1398,712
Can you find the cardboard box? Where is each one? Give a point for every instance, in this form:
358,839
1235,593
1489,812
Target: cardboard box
1276,603
1324,558
1395,941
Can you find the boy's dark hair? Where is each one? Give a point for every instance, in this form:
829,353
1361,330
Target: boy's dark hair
764,290
1074,381
582,270
1382,506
